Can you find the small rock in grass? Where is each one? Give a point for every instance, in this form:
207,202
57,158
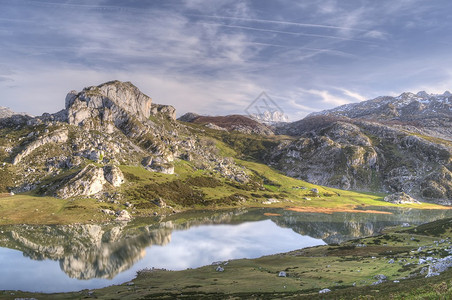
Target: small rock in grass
282,274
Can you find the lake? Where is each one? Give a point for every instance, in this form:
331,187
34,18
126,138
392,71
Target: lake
76,257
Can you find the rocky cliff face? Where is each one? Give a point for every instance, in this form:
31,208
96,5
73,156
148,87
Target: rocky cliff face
389,144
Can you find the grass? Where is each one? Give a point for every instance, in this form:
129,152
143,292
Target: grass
29,209
188,189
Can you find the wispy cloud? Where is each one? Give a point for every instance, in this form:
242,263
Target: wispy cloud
353,95
310,55
276,22
326,96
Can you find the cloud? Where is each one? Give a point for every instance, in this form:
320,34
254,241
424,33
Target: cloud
375,34
353,95
326,97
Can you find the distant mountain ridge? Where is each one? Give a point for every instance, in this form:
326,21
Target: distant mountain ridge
407,106
387,144
240,123
6,112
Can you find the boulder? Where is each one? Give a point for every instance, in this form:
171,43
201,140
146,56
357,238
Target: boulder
400,198
114,175
380,279
158,164
89,181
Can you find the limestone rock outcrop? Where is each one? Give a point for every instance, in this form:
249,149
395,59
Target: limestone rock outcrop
60,136
164,110
400,198
112,104
89,181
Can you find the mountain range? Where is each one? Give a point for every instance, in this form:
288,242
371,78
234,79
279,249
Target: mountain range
388,144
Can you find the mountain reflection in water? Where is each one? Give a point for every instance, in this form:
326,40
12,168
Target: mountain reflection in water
114,252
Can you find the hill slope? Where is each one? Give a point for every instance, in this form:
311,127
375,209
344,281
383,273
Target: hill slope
389,144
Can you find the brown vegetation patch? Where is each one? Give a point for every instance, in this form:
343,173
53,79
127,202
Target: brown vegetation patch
329,210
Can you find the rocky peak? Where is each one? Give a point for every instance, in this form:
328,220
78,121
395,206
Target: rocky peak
113,93
108,105
6,112
188,117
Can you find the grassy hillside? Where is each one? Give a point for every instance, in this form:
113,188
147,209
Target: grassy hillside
187,189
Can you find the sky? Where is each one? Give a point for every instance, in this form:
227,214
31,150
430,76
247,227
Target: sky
216,57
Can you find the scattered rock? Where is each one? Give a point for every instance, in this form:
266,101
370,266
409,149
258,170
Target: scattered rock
440,266
108,212
380,279
219,269
270,201
324,291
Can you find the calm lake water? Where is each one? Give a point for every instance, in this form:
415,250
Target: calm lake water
76,257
